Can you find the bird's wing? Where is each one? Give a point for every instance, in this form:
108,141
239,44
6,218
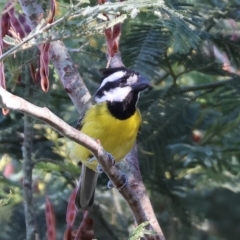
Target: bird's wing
87,105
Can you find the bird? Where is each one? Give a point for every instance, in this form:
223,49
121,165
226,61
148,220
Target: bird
114,120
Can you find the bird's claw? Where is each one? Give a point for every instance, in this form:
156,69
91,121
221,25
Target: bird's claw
124,181
111,158
99,169
110,184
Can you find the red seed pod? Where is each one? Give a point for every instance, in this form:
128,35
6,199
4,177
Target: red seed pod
85,230
112,37
68,233
8,170
101,2
36,71
45,53
197,135
23,21
19,78
16,26
115,48
32,72
37,75
44,66
71,209
52,11
117,30
44,79
108,34
50,220
5,25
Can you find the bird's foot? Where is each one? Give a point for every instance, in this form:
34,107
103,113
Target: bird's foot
99,169
110,184
124,182
111,159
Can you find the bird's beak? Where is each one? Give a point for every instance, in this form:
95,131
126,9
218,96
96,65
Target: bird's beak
140,85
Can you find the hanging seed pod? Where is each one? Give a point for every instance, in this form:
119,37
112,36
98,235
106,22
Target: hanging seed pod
15,24
85,230
71,215
50,220
23,21
44,66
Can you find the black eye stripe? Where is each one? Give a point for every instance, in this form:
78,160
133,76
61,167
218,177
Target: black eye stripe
107,87
116,83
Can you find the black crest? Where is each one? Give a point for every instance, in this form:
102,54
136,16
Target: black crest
108,71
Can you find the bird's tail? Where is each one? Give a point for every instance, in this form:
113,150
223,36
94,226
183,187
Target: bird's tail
86,189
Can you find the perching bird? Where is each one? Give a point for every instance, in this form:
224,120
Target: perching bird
114,120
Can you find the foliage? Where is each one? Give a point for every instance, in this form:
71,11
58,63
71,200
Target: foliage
189,141
139,231
5,201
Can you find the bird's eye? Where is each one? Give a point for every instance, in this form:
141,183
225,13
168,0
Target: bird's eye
124,80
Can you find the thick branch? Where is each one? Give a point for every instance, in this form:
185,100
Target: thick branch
136,183
79,95
134,175
12,102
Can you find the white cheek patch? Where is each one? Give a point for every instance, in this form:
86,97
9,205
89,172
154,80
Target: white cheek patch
132,79
114,95
113,77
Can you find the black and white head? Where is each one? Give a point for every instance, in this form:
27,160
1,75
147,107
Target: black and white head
120,88
118,83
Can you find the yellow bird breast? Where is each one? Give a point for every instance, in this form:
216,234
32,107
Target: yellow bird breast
116,136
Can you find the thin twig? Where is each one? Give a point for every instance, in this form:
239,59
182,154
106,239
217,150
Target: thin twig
164,76
31,230
78,49
205,86
171,72
195,69
29,212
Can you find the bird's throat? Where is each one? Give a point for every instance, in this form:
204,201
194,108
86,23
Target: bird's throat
125,109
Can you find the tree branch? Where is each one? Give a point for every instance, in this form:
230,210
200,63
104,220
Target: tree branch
205,86
171,72
15,103
131,166
79,95
29,212
136,183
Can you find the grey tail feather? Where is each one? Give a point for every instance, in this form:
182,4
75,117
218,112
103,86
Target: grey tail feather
86,189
